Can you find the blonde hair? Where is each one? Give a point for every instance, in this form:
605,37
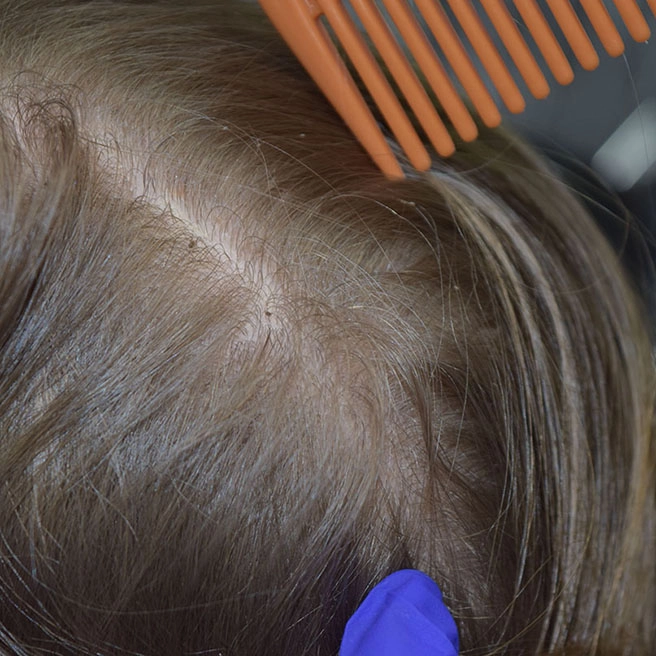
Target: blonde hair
243,377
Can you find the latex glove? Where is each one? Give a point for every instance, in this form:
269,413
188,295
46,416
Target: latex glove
404,615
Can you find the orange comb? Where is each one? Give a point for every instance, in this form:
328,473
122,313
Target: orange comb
303,25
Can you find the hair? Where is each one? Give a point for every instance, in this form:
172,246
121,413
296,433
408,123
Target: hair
243,377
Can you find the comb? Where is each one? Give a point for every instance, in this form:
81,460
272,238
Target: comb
395,28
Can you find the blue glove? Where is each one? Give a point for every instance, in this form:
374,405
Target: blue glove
404,615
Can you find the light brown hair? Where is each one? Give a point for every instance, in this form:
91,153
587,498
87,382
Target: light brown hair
243,377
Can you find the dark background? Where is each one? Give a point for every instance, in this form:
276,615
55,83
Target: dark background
574,122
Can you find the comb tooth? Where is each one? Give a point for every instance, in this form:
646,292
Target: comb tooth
634,20
516,46
652,4
546,41
318,55
380,90
404,76
488,55
574,33
437,78
320,58
604,27
454,53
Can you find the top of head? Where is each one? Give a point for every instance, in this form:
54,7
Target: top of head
244,377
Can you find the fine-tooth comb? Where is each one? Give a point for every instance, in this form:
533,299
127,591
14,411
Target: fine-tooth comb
306,26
